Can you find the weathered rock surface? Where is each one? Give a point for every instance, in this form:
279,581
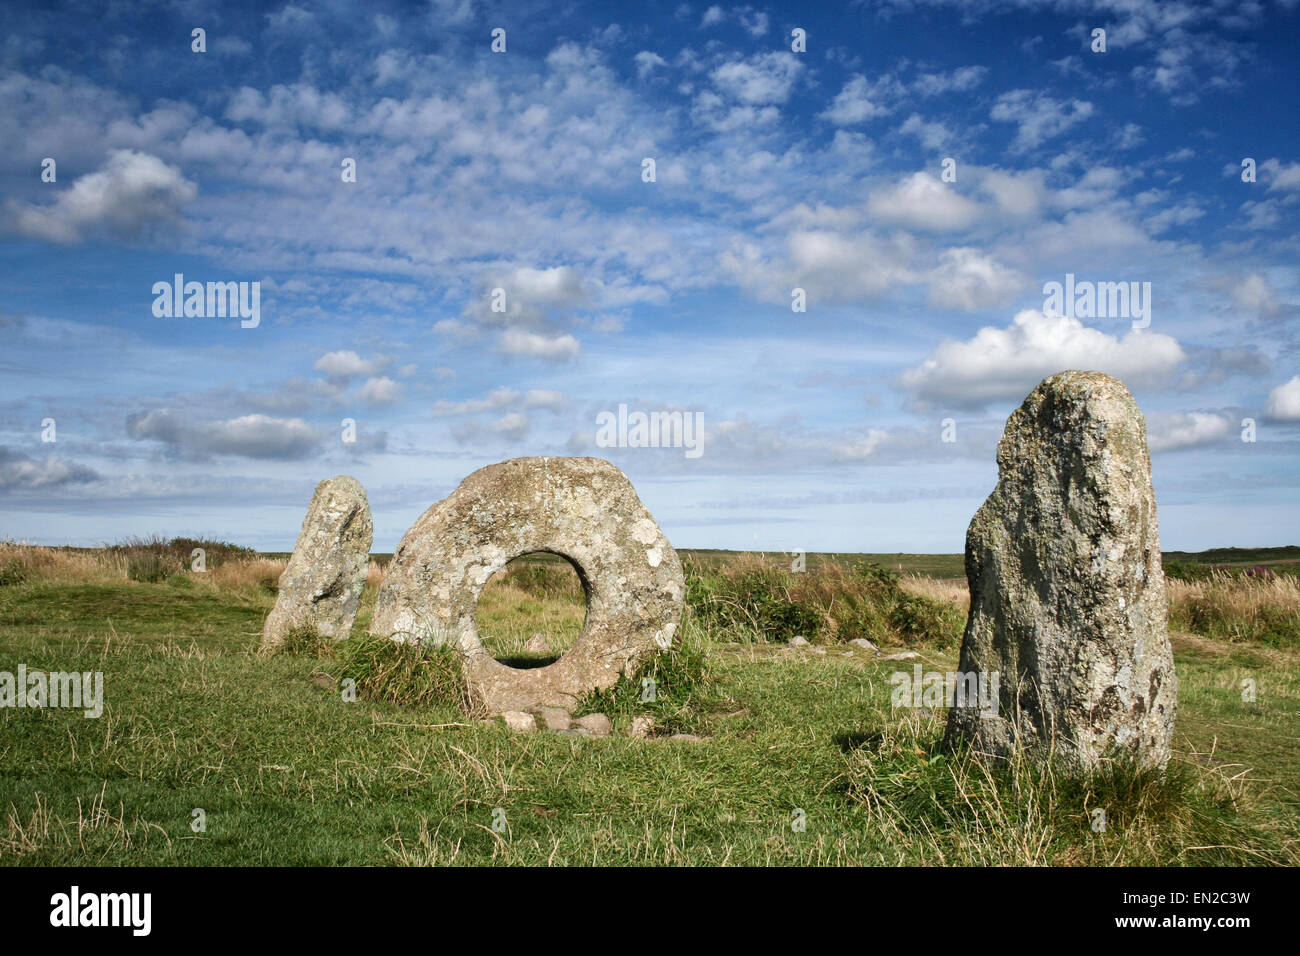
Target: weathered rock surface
584,509
598,725
555,718
321,586
519,722
1067,590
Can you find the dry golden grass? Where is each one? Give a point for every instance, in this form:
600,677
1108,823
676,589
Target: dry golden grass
62,563
35,562
1238,607
948,590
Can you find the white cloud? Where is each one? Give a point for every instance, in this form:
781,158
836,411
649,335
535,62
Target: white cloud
933,136
380,391
22,471
923,202
969,279
961,80
1254,293
829,266
860,448
249,436
766,78
1017,194
498,398
646,63
754,21
1005,363
547,399
1171,431
1038,116
1284,401
513,425
1280,176
132,191
537,345
346,364
860,100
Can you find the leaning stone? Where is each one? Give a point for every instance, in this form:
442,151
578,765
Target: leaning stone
584,509
598,725
536,645
899,656
798,642
863,643
321,585
1068,604
519,722
641,727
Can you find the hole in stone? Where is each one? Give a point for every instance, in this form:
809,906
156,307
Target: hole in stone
532,612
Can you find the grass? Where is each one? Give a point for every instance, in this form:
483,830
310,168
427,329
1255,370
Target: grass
287,770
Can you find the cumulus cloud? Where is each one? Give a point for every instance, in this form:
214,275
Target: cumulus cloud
345,364
1038,117
760,80
380,391
969,279
923,202
249,436
961,80
1171,431
513,425
20,471
829,266
1005,363
1284,401
131,192
646,63
521,342
1015,194
861,100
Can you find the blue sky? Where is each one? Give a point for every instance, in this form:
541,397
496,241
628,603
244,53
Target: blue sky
821,170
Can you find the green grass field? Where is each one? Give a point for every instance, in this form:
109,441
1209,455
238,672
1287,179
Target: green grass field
802,761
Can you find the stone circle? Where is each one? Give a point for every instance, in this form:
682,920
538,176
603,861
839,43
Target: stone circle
583,509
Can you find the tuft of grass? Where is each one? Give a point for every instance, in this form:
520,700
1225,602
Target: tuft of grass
303,640
678,679
955,809
12,572
408,674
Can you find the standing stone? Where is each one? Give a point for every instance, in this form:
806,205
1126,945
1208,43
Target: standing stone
583,509
1067,592
321,586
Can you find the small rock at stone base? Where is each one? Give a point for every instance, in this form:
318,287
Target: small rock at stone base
598,725
519,722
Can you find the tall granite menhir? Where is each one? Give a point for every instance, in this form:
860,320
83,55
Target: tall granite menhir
321,586
1067,590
